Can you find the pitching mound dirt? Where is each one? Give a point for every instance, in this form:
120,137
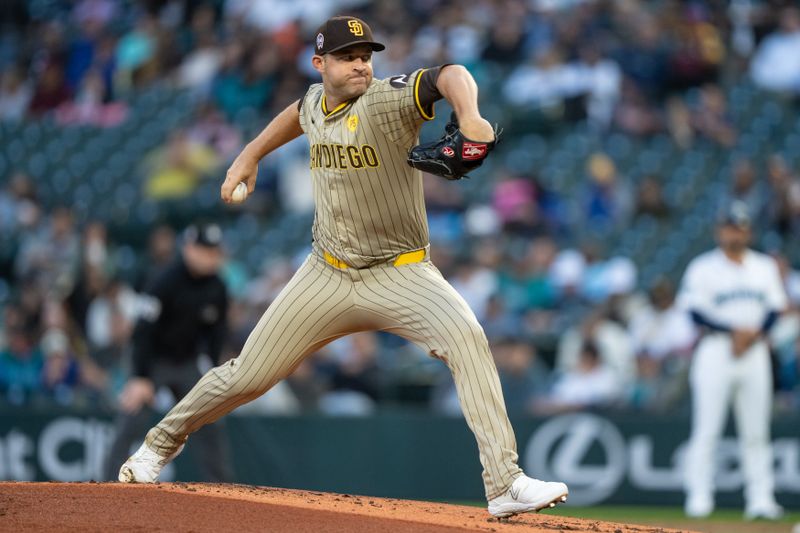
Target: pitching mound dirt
201,507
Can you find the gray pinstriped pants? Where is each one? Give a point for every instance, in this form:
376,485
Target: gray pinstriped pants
322,303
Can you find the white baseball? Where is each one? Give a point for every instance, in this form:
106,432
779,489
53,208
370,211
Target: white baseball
239,193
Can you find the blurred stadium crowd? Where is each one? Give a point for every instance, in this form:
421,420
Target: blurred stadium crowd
627,124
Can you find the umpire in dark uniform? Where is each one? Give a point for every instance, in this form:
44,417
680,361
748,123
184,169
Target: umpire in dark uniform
182,315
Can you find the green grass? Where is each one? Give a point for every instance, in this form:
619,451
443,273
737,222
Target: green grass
649,514
633,513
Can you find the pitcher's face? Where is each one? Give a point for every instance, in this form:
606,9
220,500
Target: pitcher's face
346,73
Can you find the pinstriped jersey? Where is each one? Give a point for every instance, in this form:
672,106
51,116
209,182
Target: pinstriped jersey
369,202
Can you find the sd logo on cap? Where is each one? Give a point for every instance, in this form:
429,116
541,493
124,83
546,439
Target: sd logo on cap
340,32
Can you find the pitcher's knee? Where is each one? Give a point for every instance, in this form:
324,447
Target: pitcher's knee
477,336
466,340
230,381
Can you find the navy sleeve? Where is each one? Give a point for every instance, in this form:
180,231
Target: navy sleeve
701,320
769,321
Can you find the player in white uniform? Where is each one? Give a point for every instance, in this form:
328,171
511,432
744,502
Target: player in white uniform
735,295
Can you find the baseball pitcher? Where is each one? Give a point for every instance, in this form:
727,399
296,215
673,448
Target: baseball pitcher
369,268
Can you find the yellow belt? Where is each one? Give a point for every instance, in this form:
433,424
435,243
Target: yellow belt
403,259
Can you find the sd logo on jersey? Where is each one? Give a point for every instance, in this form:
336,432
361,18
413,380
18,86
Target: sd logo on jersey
352,122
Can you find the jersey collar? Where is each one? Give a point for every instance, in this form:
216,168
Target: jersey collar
748,253
333,112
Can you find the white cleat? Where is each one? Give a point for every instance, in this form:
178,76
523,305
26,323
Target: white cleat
770,511
698,507
144,466
527,494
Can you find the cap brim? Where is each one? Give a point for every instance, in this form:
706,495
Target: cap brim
736,224
376,47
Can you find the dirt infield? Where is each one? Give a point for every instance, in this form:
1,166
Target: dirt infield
201,507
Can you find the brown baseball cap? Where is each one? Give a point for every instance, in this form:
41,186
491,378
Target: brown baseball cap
340,32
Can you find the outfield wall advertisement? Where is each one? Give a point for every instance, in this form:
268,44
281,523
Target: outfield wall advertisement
604,458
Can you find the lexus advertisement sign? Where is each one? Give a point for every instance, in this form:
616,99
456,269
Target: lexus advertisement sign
614,459
606,460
